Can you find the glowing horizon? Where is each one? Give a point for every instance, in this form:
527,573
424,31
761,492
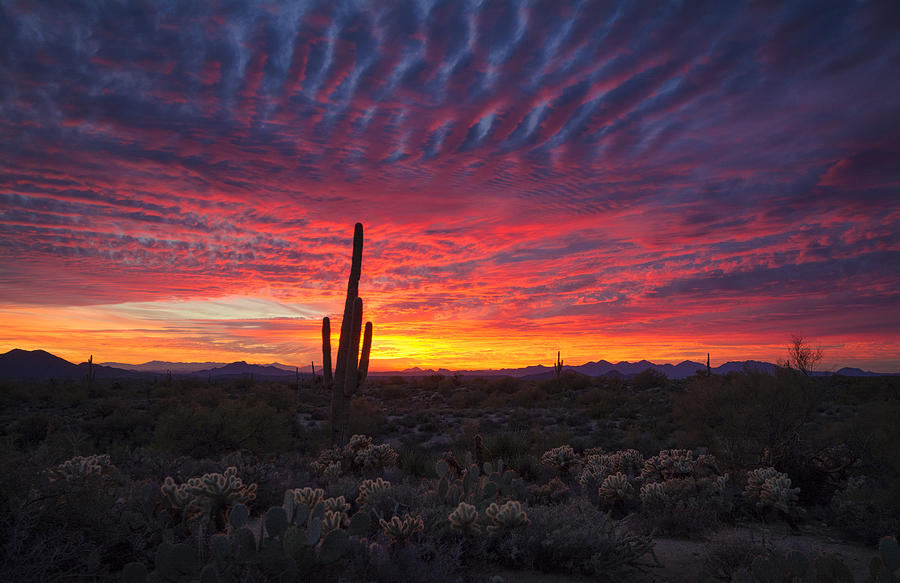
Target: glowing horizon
180,183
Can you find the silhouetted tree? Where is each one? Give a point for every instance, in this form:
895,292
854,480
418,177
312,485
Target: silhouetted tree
802,356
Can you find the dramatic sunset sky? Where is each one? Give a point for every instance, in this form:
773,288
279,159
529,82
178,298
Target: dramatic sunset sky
615,180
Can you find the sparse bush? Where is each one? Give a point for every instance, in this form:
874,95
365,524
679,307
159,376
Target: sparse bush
649,379
576,538
741,416
506,446
232,425
366,417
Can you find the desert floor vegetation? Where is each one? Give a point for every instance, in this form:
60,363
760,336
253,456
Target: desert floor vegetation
456,478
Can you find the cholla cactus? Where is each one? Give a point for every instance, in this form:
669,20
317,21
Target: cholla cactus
308,496
401,530
562,458
629,462
598,466
669,464
178,495
80,467
507,517
211,495
327,460
359,454
375,456
654,496
465,519
333,521
340,508
768,487
720,483
332,471
616,489
370,491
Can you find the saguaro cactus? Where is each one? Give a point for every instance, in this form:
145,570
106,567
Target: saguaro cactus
351,367
90,373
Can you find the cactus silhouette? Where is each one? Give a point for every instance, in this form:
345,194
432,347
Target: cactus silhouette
351,367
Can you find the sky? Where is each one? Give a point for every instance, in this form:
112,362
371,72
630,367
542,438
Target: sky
613,180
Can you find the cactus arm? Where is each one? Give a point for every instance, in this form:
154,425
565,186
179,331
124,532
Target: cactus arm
364,356
326,352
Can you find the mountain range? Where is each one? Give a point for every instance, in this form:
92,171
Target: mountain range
39,364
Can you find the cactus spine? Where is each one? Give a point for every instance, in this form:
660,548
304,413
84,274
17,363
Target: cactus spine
350,367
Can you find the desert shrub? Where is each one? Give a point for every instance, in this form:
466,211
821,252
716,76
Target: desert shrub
310,440
415,462
553,492
601,402
576,538
204,432
121,425
648,379
15,392
365,417
544,438
505,385
507,445
723,558
463,398
527,465
80,518
529,396
854,510
568,381
392,392
413,562
741,416
447,385
29,430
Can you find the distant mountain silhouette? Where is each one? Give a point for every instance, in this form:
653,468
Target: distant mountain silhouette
163,366
40,364
856,372
241,368
36,364
622,369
